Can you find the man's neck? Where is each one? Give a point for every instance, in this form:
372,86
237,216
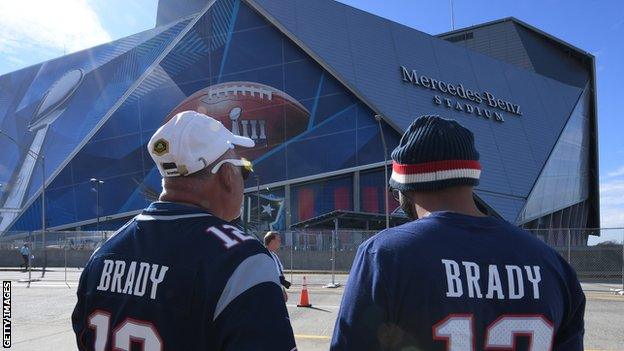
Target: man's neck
187,198
466,210
457,199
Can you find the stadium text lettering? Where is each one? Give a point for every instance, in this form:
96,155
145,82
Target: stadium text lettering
463,93
465,278
119,277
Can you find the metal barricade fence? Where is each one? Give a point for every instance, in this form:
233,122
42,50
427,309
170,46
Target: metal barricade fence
600,264
48,250
321,250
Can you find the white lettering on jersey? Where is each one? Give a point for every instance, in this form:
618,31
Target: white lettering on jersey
157,279
534,275
453,282
229,235
141,280
515,281
126,279
472,275
130,280
494,283
105,276
470,278
120,267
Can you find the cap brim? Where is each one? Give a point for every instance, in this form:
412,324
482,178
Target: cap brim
242,141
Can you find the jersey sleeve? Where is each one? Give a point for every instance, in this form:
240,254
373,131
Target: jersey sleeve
571,332
79,322
362,322
250,313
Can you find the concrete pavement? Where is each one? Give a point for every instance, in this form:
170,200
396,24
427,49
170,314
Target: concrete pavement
41,313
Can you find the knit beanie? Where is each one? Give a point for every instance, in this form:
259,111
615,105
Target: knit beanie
433,154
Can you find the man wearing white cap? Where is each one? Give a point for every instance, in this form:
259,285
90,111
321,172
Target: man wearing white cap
181,276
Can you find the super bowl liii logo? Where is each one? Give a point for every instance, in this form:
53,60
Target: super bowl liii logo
458,90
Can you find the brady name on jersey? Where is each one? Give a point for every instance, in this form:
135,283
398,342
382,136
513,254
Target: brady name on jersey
468,274
132,279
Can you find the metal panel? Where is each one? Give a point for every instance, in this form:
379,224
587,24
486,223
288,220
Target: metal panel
323,26
370,65
506,206
552,59
499,40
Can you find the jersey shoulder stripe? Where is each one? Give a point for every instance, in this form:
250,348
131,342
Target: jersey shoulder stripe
252,271
172,217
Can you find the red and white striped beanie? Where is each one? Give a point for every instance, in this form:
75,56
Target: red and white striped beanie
435,153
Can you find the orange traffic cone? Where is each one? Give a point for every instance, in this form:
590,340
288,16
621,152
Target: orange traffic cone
304,301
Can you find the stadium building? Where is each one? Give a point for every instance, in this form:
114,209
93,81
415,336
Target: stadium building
305,79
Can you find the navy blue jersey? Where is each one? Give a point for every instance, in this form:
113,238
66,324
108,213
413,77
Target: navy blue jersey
456,282
178,278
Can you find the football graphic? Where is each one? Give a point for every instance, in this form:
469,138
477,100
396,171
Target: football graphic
265,114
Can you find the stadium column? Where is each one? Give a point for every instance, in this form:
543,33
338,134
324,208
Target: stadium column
356,191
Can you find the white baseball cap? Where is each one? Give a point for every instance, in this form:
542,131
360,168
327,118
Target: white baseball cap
191,141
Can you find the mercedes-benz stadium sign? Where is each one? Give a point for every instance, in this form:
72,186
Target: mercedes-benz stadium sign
459,91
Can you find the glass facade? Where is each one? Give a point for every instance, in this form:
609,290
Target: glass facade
565,178
312,199
562,227
372,192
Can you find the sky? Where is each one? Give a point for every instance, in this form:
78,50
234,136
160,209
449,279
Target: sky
33,31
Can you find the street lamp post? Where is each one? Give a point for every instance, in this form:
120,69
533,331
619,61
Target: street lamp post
43,217
38,156
385,151
97,183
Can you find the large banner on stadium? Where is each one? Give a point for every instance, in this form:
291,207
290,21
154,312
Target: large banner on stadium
92,113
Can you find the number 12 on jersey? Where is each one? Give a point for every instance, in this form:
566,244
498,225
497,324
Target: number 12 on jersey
229,235
457,330
130,330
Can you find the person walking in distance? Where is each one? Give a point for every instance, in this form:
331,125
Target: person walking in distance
273,243
454,278
25,253
181,275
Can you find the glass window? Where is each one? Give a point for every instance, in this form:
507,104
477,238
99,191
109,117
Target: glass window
314,199
373,190
565,178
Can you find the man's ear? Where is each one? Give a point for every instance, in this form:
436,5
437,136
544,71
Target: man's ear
227,177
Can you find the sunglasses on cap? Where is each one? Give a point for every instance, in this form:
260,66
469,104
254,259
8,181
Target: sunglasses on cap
243,163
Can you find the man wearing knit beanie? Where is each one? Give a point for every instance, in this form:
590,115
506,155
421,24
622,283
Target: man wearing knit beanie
454,278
